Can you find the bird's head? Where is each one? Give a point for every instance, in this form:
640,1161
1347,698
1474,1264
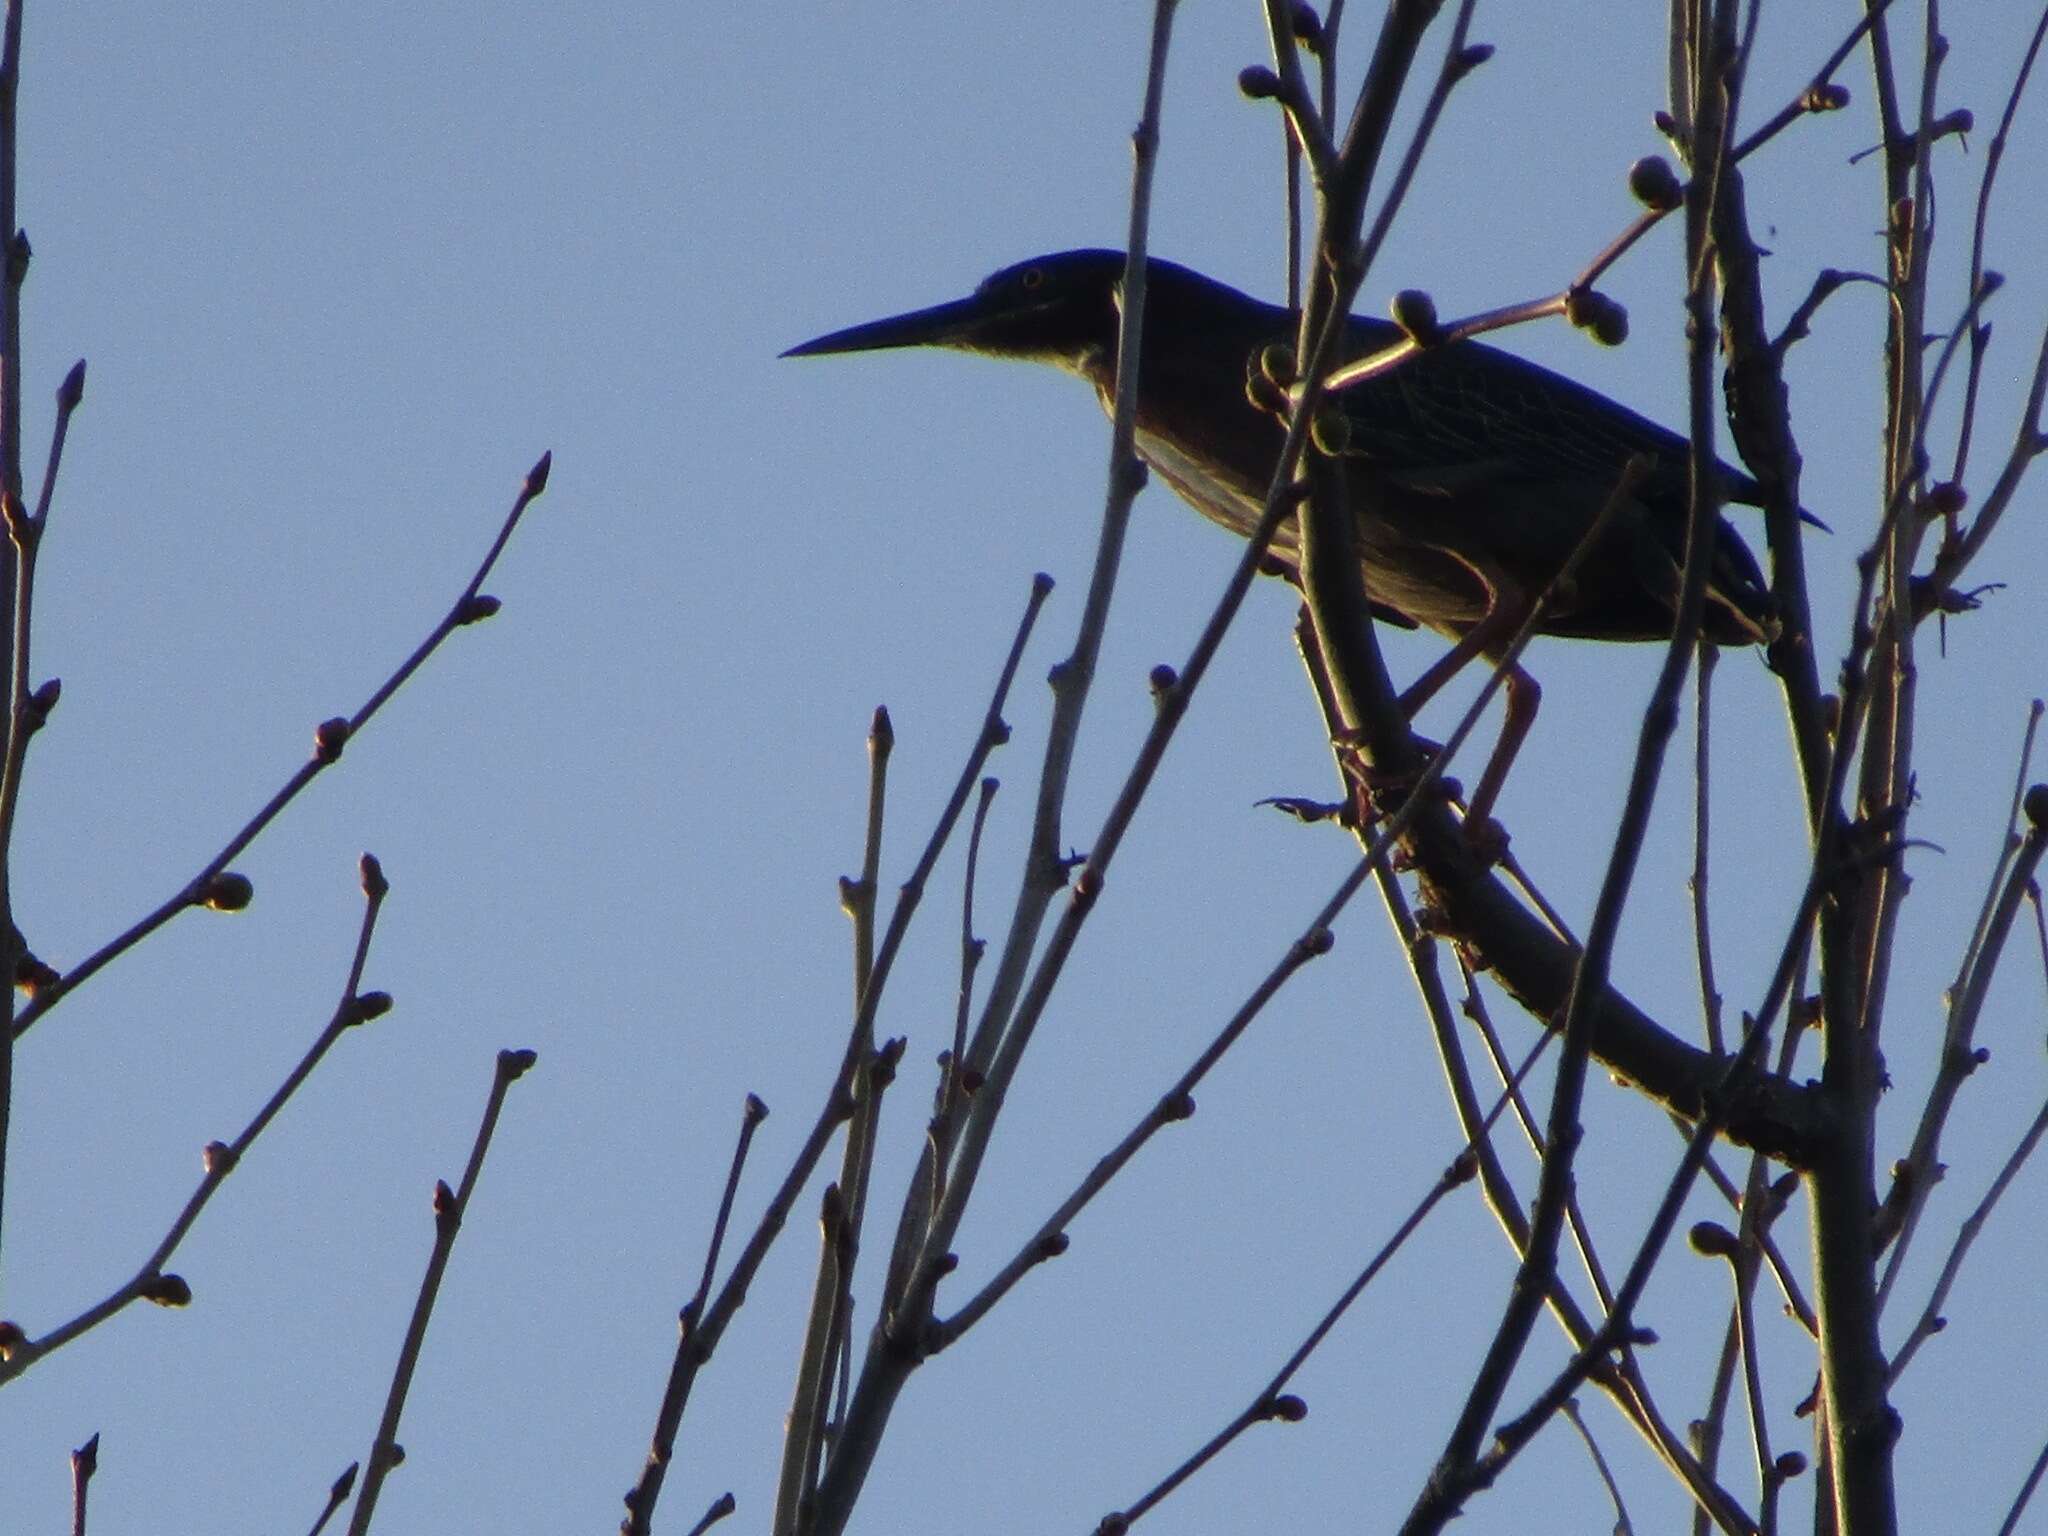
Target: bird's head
1059,309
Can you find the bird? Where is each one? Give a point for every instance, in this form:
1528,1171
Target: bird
1472,474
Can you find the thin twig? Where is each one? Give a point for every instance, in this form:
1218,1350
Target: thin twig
337,1495
84,1462
1459,61
14,257
1018,994
1271,1403
1811,99
2008,845
2029,442
1619,1328
750,1121
329,740
705,1330
26,710
1174,1105
845,1201
1639,225
1742,1271
1931,1320
1797,1307
1511,866
25,535
721,1506
151,1282
1624,1383
1956,552
949,1099
450,1205
1623,1526
972,948
2011,1522
1799,324
2040,928
1046,867
1920,1168
1709,1429
1994,156
1702,929
645,1494
802,1440
1582,1237
857,896
1308,128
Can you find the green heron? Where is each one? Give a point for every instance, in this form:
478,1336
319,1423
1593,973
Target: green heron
1473,474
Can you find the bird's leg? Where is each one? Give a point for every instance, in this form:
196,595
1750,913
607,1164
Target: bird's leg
1377,782
1523,698
1506,609
1447,666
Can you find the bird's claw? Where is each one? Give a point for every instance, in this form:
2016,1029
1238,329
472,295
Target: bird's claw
1387,788
1487,839
1308,811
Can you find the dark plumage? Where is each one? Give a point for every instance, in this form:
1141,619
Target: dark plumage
1473,473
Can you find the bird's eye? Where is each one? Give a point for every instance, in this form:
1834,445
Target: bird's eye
1031,279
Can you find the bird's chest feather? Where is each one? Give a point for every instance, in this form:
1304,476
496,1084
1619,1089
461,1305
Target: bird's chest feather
1213,490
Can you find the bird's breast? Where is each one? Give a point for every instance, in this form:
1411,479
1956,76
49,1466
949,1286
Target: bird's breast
1217,494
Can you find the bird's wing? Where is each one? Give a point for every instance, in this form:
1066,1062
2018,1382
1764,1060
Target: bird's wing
1469,414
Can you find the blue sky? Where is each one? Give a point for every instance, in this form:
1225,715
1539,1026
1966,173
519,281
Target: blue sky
342,274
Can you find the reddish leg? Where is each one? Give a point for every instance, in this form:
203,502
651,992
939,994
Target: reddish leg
1523,698
1506,609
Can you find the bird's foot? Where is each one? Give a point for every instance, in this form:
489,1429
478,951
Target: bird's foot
1308,811
1487,839
1387,789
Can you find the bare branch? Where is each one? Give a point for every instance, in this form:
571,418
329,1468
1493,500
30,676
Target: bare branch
721,1507
450,1205
1702,927
338,1493
1920,1168
328,741
1174,1105
1272,1402
84,1462
1994,157
1623,1526
707,1326
1931,1320
646,1493
151,1282
2011,1522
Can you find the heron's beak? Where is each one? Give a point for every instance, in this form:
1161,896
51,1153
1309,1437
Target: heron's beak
943,325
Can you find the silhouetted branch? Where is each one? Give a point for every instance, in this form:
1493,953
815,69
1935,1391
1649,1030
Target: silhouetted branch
646,1493
1173,1106
1623,1526
1994,157
1272,1402
450,1205
337,1495
2011,1522
84,1462
721,1507
1931,1321
328,741
1959,1057
151,1282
